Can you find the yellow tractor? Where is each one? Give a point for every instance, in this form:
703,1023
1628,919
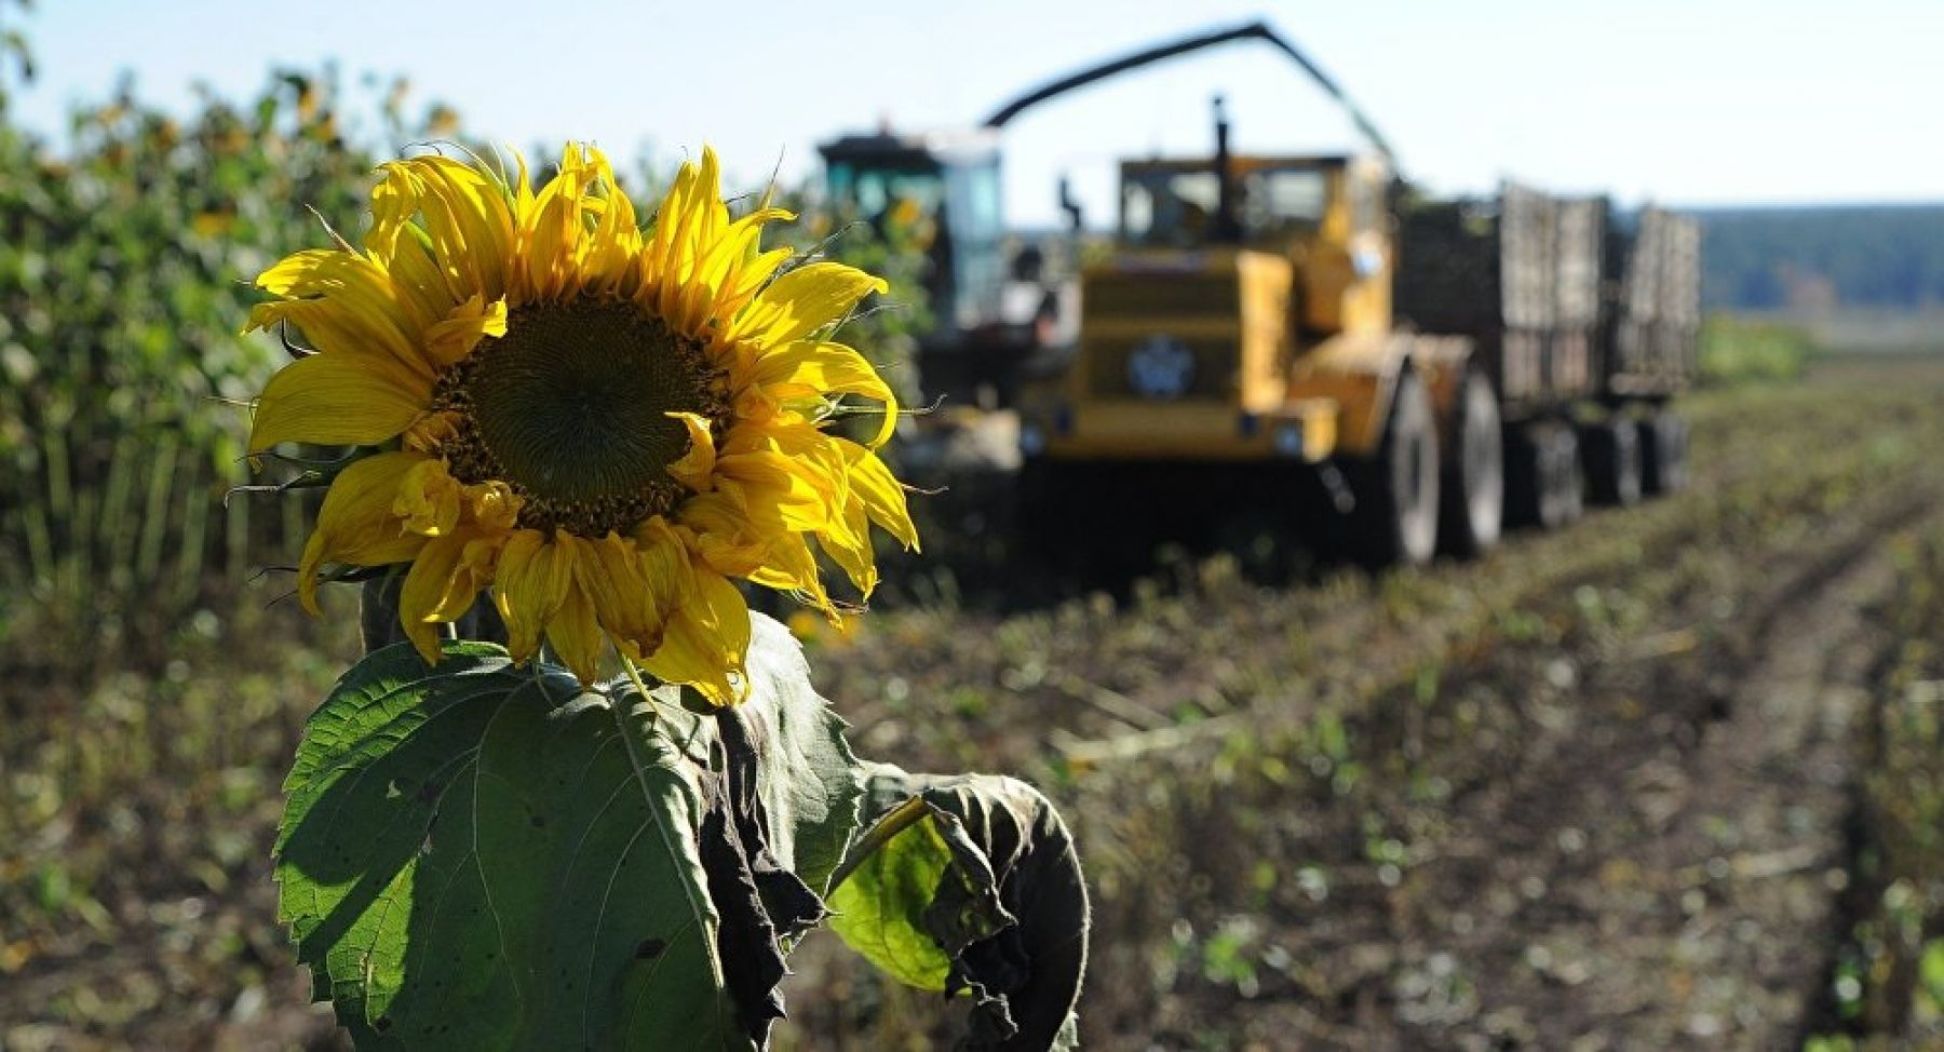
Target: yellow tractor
1239,343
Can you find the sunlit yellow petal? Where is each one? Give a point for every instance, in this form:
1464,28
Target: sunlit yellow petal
846,539
803,301
336,399
881,494
611,574
706,642
342,302
696,468
811,369
455,337
356,524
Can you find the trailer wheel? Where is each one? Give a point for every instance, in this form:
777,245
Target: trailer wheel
1396,515
1473,512
1568,488
1663,453
1613,461
1543,481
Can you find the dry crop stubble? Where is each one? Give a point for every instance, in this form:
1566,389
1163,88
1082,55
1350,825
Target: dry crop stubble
1240,872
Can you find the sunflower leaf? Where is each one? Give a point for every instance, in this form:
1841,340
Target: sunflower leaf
970,883
480,856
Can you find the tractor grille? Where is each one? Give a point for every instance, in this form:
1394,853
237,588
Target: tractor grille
1128,310
1215,375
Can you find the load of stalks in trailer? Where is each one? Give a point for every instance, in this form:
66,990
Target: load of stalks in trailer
1306,342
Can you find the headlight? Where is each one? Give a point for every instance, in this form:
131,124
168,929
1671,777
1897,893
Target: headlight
1032,439
1289,440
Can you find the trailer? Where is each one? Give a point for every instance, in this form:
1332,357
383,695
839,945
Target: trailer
1432,367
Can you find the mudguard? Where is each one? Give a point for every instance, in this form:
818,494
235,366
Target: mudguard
1359,371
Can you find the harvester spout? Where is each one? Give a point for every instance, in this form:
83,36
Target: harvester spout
1212,38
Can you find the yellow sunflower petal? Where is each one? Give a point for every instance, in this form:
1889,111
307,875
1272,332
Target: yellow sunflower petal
747,277
493,505
529,588
337,399
428,500
575,635
812,369
847,540
427,585
697,224
696,468
882,495
702,300
663,554
611,574
356,525
802,496
468,223
444,582
342,302
788,565
725,539
455,337
707,641
803,301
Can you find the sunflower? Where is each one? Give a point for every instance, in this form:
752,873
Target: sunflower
603,426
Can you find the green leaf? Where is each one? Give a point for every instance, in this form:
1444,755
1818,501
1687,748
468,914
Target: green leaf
481,856
810,784
970,883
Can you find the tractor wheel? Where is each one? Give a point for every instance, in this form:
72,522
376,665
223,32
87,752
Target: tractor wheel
1543,483
1663,453
1473,511
1396,492
1611,449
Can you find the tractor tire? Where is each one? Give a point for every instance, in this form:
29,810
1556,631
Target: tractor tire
1663,453
1473,504
1543,481
1395,519
1611,450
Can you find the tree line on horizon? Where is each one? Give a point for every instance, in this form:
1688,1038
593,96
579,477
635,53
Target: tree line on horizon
1817,258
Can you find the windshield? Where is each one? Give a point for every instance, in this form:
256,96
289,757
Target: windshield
1174,207
875,191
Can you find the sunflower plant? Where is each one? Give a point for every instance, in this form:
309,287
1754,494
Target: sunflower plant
577,794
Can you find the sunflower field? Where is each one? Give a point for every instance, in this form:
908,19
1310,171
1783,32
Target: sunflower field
124,264
192,394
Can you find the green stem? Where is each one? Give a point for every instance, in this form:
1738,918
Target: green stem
895,821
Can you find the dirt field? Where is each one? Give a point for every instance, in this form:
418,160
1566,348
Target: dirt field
1645,783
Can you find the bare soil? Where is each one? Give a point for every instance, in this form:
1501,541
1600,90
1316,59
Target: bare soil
1596,791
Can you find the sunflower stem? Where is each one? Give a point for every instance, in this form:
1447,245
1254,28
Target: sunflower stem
634,677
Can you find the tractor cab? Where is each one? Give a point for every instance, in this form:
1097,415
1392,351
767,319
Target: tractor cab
1324,214
942,192
939,193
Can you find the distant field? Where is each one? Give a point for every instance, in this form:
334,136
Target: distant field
1858,330
1656,780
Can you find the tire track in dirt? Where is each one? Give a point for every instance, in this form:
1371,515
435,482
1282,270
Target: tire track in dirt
1658,879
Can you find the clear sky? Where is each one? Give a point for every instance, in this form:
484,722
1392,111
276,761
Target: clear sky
1688,101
